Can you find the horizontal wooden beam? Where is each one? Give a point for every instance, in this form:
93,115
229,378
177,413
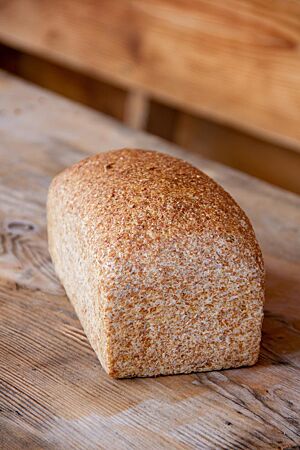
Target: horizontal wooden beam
234,61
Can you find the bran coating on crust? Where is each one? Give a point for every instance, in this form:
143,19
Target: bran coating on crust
161,264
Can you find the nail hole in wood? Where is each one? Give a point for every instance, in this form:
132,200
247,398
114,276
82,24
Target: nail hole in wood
20,227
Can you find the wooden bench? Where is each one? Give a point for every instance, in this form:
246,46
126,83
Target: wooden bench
233,63
53,392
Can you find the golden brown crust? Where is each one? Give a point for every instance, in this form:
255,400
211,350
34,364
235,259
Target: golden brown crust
161,264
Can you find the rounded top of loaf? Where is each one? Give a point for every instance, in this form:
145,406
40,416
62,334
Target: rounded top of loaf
132,199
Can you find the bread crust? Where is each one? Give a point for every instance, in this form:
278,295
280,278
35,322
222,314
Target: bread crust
161,264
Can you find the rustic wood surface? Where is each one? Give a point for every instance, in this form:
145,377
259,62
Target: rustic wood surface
236,61
53,392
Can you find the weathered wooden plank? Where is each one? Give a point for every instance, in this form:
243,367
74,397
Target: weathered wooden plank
235,61
53,391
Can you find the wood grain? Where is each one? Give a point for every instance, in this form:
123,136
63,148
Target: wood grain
53,392
234,61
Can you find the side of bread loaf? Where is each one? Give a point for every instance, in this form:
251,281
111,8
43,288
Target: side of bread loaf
161,264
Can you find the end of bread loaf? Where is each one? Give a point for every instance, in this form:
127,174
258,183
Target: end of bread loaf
161,264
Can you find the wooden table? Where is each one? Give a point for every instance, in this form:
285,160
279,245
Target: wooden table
53,392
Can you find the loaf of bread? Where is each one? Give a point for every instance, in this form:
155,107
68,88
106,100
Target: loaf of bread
161,264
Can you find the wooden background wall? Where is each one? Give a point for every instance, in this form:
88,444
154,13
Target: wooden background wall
219,78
